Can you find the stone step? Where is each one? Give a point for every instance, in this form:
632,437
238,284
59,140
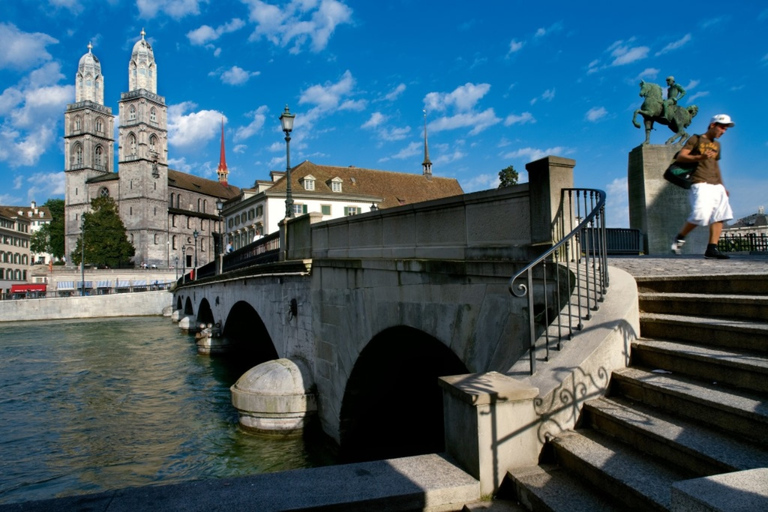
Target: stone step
747,307
745,370
729,410
743,334
552,488
686,444
615,469
728,284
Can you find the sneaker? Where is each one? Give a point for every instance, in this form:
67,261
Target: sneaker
714,254
677,246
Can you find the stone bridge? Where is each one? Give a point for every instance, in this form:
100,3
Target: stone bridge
375,307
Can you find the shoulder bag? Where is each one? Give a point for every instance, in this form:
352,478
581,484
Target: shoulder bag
679,173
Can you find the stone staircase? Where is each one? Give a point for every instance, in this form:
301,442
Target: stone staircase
692,403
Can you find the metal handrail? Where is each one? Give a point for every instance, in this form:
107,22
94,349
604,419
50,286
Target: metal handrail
579,253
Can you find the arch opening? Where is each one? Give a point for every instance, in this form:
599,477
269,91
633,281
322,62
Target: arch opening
188,308
393,405
250,341
204,313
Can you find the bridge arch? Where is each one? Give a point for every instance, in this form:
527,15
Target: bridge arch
204,313
250,339
188,307
392,405
179,304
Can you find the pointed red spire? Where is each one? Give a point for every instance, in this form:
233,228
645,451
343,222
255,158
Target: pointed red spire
222,171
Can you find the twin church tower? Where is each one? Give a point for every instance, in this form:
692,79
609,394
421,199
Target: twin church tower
161,208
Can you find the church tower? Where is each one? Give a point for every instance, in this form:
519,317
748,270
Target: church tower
143,158
88,144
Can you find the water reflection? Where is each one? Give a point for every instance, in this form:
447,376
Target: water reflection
88,406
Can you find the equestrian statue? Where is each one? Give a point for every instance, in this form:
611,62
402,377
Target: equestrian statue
656,110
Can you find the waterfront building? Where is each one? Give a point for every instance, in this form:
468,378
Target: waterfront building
14,248
161,208
329,190
751,225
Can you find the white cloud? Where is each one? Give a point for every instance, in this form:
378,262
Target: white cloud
176,9
547,95
533,154
45,184
395,93
298,23
329,98
480,182
194,129
515,46
525,117
479,121
595,114
237,75
23,50
376,119
623,54
463,98
259,117
555,27
446,158
413,149
675,45
205,34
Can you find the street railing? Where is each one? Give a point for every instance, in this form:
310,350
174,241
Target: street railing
568,282
743,243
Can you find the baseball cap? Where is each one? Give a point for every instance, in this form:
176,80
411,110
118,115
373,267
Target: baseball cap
723,119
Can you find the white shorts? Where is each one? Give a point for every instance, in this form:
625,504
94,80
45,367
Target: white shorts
709,204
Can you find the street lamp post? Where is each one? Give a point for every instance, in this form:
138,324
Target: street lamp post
286,120
220,253
184,257
82,258
176,266
195,234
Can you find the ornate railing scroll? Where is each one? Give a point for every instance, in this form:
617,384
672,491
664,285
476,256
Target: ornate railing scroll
578,278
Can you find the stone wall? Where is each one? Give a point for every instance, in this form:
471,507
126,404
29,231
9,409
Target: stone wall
95,306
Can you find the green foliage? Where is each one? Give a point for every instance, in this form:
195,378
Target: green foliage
49,238
507,177
106,243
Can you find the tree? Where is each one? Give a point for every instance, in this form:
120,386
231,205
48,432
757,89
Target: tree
50,237
507,177
105,240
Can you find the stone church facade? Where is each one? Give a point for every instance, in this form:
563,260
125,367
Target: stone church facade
162,209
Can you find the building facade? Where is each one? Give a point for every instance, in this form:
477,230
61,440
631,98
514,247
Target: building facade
168,215
329,190
14,248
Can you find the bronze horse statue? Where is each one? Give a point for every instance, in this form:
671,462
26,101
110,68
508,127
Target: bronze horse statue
678,118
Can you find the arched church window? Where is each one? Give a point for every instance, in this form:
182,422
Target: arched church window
152,143
103,192
99,125
78,154
78,123
97,156
153,115
131,144
132,113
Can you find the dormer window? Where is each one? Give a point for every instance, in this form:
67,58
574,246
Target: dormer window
308,182
336,184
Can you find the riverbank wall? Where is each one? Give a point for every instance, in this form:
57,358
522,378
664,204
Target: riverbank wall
149,303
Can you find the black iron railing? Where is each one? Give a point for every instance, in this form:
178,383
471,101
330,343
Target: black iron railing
566,283
743,243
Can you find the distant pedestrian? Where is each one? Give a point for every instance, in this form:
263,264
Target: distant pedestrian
229,248
710,205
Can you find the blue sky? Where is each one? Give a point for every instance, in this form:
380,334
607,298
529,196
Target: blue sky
502,82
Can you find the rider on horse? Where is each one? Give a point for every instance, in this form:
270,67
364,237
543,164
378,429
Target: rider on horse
675,93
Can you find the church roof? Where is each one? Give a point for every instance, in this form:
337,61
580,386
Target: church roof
200,185
392,188
755,220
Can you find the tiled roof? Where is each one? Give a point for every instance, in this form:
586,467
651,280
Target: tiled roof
393,188
194,183
25,210
752,221
12,212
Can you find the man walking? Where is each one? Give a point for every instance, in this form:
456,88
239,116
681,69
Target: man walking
709,198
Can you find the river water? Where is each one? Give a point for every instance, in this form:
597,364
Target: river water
93,405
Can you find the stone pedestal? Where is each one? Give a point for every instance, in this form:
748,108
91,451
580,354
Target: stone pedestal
656,207
546,178
490,425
